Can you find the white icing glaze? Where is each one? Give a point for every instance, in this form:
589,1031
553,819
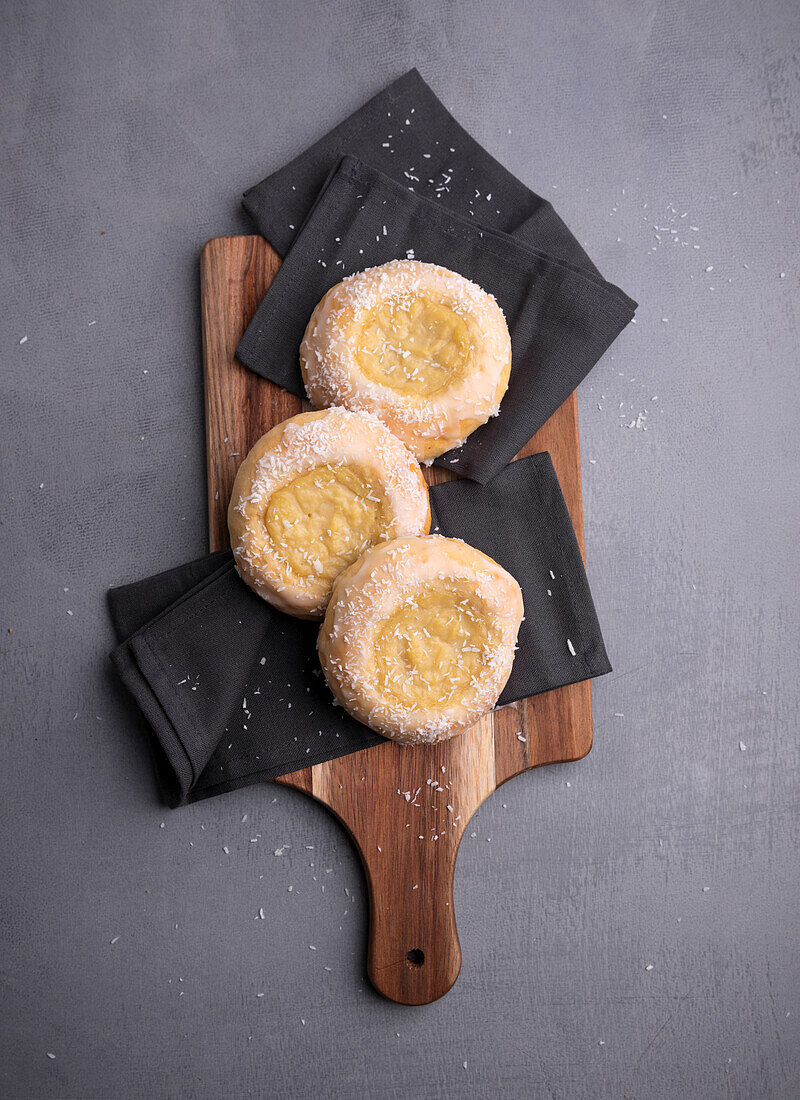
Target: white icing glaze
428,425
388,577
333,438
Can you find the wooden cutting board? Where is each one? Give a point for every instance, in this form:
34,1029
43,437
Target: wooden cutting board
414,955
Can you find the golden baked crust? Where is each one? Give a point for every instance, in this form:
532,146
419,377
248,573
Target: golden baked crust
311,496
424,349
419,637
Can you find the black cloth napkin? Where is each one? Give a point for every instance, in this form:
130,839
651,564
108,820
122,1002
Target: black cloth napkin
561,317
408,136
232,689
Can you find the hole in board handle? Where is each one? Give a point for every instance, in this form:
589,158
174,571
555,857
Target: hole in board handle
416,957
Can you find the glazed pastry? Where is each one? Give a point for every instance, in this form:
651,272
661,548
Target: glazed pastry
424,349
311,496
419,637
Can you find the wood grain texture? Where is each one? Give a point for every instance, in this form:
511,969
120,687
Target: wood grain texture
408,846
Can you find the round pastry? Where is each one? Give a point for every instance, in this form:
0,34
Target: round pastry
424,349
419,637
311,496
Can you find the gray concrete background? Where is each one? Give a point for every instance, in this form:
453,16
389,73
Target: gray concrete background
131,949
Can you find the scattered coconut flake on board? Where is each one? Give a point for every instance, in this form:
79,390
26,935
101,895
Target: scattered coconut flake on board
570,647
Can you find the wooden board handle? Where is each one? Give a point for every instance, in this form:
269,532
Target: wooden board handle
414,956
406,810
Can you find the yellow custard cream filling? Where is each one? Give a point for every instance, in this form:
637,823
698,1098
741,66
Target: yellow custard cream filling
418,348
326,518
432,648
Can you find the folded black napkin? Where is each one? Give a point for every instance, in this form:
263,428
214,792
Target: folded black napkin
561,317
407,135
232,688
